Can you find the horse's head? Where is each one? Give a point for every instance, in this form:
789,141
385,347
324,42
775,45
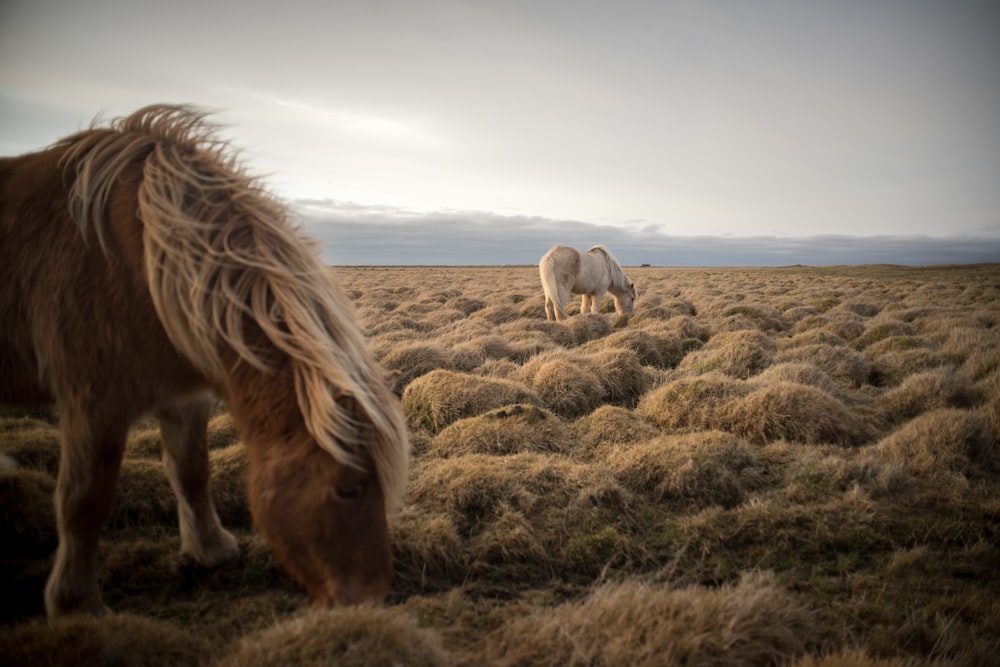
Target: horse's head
324,520
625,300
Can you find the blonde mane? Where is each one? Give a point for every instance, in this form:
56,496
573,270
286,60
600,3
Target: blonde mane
219,251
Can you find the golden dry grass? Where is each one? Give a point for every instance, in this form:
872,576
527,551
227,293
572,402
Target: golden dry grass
754,622
787,466
355,637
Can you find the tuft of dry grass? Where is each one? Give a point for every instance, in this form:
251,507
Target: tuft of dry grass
922,392
542,333
31,443
567,388
692,402
116,640
801,373
846,325
753,622
609,427
657,346
513,510
893,367
740,354
879,330
222,432
589,327
624,378
427,549
694,470
411,360
839,361
791,411
750,316
471,354
349,637
143,496
509,430
942,440
441,397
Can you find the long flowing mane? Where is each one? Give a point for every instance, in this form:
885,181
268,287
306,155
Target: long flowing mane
619,280
219,253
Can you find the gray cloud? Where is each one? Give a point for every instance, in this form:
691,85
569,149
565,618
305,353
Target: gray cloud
352,234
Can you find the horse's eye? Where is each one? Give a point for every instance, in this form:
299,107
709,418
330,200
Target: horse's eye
349,495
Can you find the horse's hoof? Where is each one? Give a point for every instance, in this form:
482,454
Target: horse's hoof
224,549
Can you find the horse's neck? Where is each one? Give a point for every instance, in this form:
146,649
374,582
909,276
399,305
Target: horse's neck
616,279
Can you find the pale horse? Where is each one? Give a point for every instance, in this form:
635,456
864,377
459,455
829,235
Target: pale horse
565,271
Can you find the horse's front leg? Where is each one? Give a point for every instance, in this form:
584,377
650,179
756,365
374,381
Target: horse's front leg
184,428
91,455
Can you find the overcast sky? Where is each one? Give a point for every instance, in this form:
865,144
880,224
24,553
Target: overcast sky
434,131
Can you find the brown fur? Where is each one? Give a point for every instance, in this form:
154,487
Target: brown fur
196,282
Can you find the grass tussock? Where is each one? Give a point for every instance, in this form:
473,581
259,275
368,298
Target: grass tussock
791,411
568,388
30,443
116,640
511,513
758,411
477,488
624,378
840,362
942,440
609,427
352,637
792,466
657,346
692,403
441,397
740,354
412,360
694,470
510,430
799,373
752,622
878,331
923,392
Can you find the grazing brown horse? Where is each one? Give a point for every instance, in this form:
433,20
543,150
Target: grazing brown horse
141,269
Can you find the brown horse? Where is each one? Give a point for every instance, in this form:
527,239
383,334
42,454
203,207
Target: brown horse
141,268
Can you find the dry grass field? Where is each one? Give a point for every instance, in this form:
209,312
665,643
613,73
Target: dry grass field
787,466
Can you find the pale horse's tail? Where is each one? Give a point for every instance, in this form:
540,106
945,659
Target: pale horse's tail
554,307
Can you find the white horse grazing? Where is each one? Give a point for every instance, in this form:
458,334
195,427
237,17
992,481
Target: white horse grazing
567,271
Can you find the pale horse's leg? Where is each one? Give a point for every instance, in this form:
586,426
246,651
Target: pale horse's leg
91,454
549,309
184,427
595,301
585,303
